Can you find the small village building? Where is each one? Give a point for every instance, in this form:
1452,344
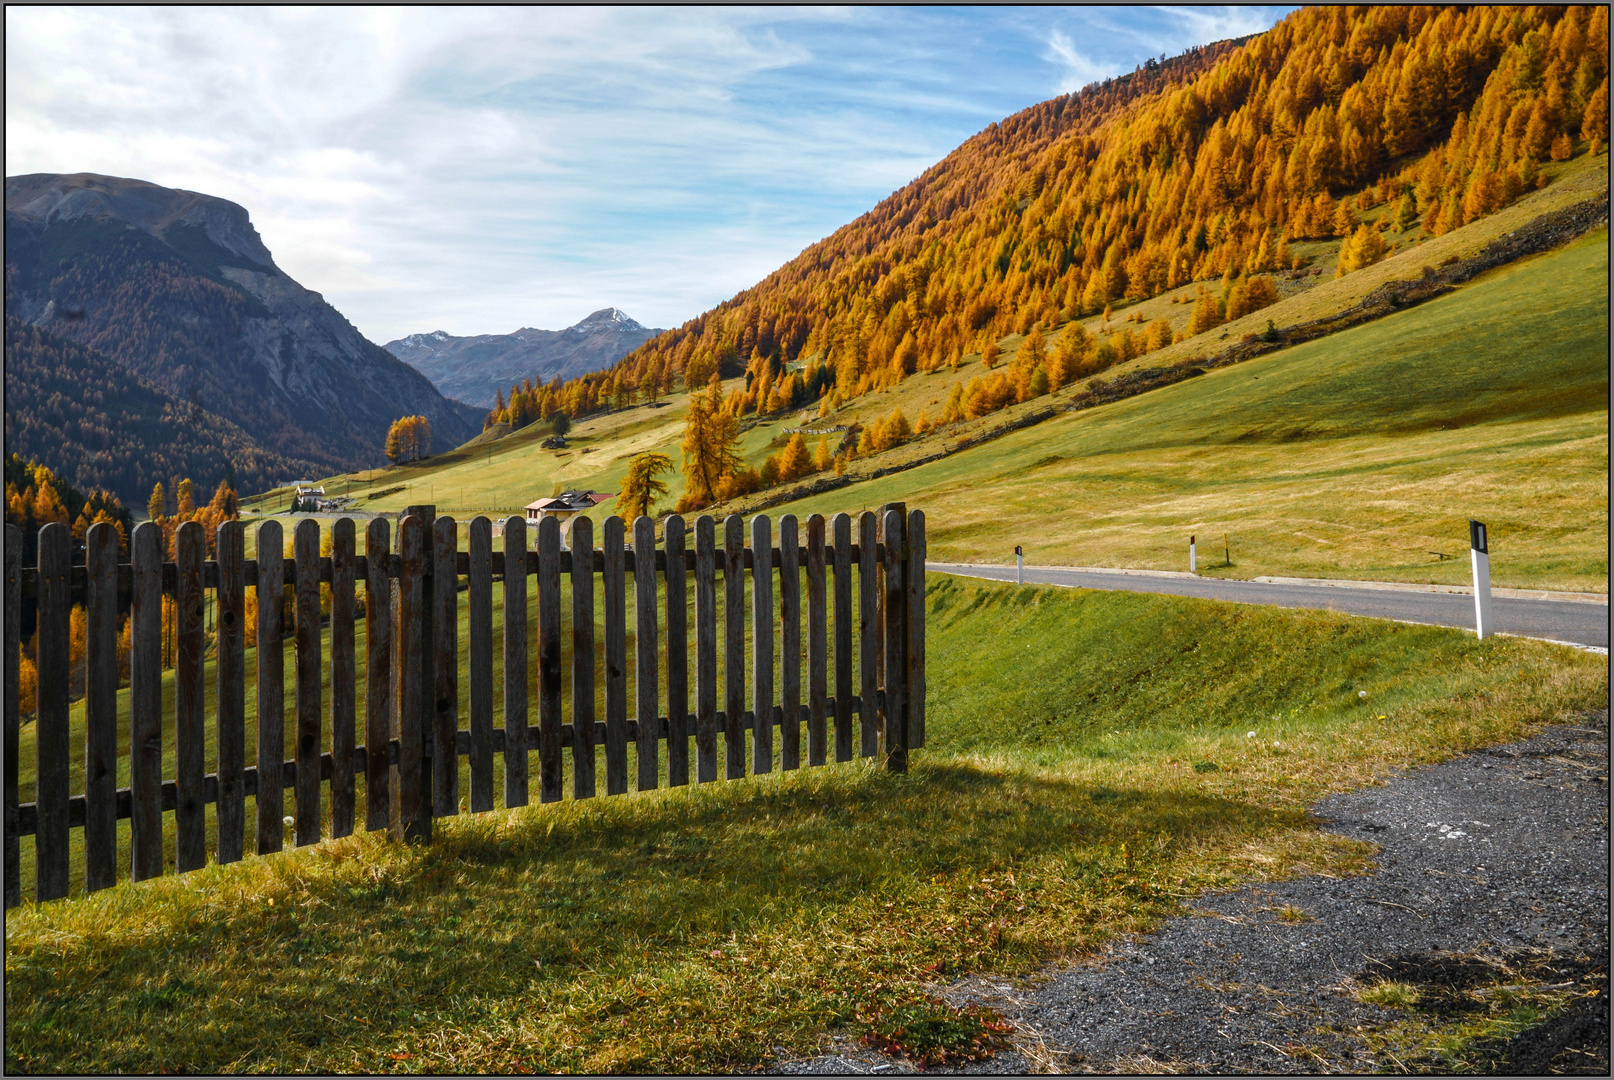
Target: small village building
565,506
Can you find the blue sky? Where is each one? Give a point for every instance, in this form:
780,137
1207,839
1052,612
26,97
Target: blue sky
480,169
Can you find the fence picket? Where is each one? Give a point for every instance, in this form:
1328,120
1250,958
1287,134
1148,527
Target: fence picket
344,679
705,650
549,654
789,644
894,609
612,590
868,624
583,754
190,736
761,644
479,604
734,646
406,783
817,643
378,632
841,526
914,581
677,655
306,749
515,661
445,711
146,701
230,638
11,664
646,683
51,649
101,707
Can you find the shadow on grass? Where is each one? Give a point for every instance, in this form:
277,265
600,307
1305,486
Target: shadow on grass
797,893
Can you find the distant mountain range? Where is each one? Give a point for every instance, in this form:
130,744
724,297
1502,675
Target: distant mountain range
472,369
178,288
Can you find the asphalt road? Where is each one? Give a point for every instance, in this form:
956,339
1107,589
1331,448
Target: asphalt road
1579,622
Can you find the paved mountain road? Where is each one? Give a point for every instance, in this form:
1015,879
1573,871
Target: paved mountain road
1576,621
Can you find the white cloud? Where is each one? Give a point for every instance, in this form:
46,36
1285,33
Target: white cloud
482,168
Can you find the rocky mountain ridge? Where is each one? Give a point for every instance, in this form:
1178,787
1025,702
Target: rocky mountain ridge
473,369
178,287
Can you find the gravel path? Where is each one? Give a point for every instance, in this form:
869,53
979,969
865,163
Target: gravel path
1494,867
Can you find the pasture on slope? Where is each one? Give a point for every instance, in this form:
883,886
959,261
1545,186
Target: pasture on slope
1134,504
1126,752
1356,455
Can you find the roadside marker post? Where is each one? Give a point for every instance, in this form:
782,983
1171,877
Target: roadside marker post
1191,560
1019,566
1479,552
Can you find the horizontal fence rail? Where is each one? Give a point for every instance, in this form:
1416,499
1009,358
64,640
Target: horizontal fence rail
418,591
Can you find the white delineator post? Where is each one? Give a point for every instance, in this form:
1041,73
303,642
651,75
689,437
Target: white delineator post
1019,566
1191,562
1479,552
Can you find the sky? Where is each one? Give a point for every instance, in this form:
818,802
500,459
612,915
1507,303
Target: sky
477,170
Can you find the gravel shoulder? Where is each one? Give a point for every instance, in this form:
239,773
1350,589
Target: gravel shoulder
1492,886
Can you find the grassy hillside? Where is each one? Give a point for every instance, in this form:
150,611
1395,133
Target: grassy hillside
1130,751
1355,455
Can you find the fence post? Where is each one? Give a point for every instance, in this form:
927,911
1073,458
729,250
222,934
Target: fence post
893,612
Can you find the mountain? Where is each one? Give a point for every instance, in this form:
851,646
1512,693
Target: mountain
99,425
178,288
472,369
1405,122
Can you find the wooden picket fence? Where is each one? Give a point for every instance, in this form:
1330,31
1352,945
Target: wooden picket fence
413,740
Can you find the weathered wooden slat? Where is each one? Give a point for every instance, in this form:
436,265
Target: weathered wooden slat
914,583
308,674
841,529
146,700
445,668
583,743
550,720
344,676
101,707
677,652
646,680
11,664
894,611
378,631
479,613
868,624
762,644
190,733
733,645
613,596
789,644
705,650
515,661
406,782
51,653
231,730
817,643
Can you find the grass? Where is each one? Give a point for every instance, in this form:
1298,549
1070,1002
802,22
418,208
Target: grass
1062,800
1357,455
